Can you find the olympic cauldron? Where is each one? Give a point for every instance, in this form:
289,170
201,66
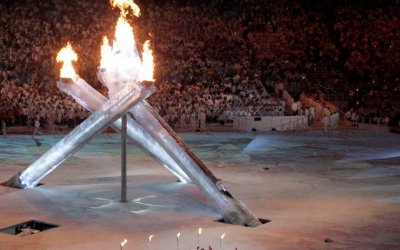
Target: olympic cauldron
129,79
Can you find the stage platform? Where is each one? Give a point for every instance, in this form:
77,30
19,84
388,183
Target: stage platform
336,190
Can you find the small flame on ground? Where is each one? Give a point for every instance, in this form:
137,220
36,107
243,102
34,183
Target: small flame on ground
200,230
67,55
223,235
124,242
150,237
147,69
125,5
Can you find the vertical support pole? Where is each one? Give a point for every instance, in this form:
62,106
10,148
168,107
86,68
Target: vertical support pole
123,158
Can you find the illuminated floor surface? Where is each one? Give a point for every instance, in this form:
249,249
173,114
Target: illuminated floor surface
344,185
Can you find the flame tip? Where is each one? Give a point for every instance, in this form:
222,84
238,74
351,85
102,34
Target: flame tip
124,6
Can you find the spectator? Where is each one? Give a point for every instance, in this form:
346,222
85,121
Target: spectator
228,60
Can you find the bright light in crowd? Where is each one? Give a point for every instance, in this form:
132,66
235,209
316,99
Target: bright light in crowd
200,230
67,55
147,69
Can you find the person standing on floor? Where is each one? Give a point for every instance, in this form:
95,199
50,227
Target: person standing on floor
312,114
325,121
36,126
3,127
202,121
193,121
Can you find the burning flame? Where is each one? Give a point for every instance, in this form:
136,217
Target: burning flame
150,237
67,55
124,6
177,236
124,242
147,69
223,235
106,53
121,59
124,37
200,230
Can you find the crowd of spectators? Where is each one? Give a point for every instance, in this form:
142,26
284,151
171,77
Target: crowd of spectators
216,58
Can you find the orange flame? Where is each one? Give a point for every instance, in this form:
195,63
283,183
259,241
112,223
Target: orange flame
67,55
124,242
121,57
147,69
124,6
200,230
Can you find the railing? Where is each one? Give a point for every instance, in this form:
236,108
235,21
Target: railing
270,123
371,121
240,122
299,123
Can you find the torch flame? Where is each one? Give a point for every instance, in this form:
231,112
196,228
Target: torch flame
124,242
147,69
124,37
177,236
223,235
124,6
121,59
200,230
67,55
150,237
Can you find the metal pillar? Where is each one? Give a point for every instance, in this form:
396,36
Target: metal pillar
123,158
